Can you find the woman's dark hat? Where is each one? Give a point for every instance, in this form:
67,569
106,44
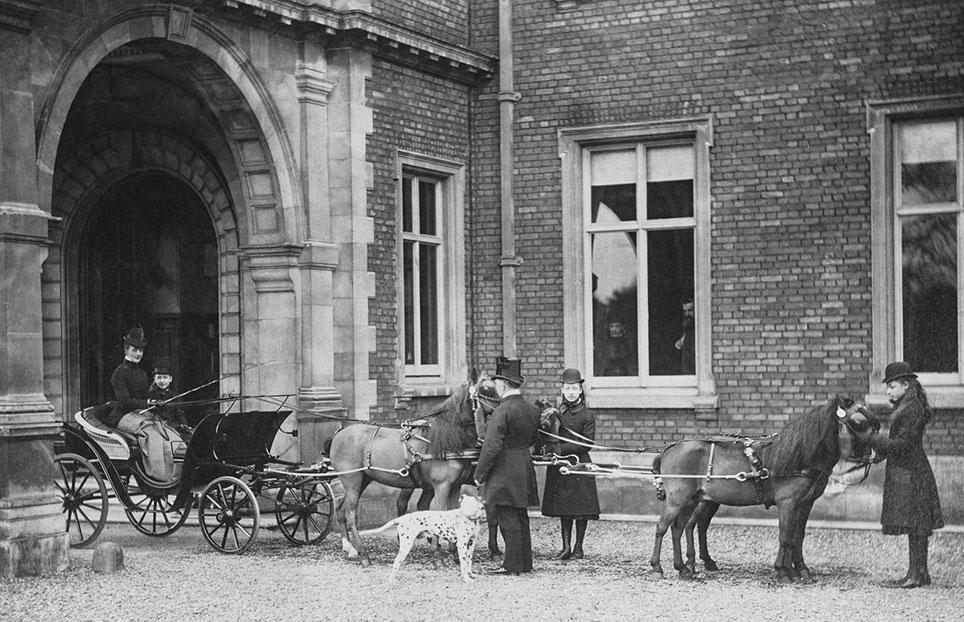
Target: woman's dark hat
898,369
135,337
571,376
509,370
162,366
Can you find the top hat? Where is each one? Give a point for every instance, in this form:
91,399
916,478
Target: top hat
135,337
571,376
898,369
162,366
509,370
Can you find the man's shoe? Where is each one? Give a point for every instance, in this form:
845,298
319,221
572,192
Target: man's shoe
912,582
577,553
563,555
502,571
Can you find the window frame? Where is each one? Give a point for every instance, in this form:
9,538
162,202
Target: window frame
944,390
451,369
575,144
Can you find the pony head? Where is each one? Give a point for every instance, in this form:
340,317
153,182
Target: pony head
857,428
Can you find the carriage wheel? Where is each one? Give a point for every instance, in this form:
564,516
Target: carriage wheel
229,515
85,498
304,512
153,513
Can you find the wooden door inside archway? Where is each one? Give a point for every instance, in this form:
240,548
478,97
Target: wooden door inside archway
149,257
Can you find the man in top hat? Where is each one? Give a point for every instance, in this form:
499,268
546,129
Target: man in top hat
505,472
911,504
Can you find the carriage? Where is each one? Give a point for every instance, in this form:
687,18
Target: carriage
228,475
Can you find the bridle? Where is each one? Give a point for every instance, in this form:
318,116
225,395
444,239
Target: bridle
846,417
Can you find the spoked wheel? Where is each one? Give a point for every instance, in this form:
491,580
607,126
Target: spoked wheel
229,515
153,512
304,512
85,497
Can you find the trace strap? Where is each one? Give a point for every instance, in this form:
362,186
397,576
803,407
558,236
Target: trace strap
592,445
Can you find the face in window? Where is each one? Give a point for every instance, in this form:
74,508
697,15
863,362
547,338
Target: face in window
571,391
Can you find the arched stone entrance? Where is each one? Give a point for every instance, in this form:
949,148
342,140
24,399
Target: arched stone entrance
147,254
151,238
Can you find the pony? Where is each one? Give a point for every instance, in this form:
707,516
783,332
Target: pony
421,455
790,470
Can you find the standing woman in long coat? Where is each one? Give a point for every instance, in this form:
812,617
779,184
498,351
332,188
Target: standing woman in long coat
571,497
911,505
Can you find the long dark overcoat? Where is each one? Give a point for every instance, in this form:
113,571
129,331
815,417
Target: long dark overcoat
911,504
505,464
572,495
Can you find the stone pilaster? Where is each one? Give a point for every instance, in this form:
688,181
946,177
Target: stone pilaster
318,262
33,538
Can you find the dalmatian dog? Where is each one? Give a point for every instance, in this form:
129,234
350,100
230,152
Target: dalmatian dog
460,526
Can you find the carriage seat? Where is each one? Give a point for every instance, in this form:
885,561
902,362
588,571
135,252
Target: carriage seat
115,443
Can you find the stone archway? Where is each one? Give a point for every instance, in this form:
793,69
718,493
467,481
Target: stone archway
85,179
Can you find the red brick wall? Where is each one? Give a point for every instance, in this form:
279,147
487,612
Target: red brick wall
414,112
444,19
785,83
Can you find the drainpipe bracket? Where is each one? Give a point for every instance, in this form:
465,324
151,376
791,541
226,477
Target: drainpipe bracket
510,261
509,96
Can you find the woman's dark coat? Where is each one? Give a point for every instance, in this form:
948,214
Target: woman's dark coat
911,504
131,388
505,464
572,495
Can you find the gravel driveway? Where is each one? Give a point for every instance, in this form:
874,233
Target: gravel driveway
180,577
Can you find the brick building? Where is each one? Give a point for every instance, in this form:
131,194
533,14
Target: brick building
356,202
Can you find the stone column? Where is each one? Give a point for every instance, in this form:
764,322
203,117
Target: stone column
318,261
33,538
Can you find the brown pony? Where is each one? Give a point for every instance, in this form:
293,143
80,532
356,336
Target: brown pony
797,464
429,455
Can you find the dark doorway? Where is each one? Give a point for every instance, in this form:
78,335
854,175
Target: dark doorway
148,256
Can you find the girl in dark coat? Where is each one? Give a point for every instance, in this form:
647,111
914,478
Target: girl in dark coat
911,505
572,497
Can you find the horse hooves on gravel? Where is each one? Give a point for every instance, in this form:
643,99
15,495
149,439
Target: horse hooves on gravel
710,565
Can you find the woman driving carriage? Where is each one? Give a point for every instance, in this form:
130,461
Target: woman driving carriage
568,497
131,390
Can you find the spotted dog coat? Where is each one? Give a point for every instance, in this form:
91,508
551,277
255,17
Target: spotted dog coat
460,526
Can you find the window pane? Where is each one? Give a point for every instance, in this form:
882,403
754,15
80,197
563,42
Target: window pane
409,304
407,204
613,168
929,265
669,182
613,204
428,305
928,162
614,323
426,207
670,279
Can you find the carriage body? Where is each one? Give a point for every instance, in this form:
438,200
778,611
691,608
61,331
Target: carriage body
228,474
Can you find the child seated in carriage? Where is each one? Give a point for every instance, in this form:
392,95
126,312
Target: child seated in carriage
162,391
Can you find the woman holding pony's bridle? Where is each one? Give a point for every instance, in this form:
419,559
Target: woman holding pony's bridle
911,505
568,497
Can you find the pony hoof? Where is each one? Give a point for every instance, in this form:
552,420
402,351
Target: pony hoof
710,566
